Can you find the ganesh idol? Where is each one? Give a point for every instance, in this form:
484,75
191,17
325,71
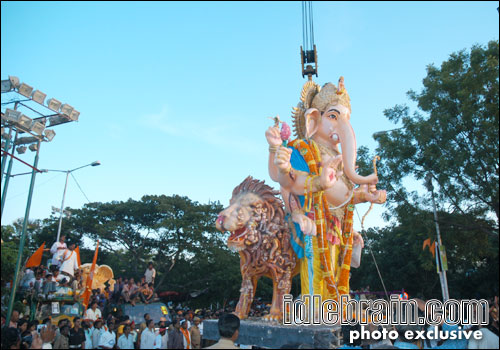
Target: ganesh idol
320,186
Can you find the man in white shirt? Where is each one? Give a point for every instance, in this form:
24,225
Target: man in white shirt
28,277
88,328
126,340
93,313
96,334
186,335
159,342
148,336
69,261
57,250
163,333
158,339
150,273
107,340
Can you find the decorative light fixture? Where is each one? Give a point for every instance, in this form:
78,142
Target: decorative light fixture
54,104
74,115
12,115
38,96
25,90
25,122
21,149
53,121
6,86
66,109
37,127
14,81
49,134
25,140
33,147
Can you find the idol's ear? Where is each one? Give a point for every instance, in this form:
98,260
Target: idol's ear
312,117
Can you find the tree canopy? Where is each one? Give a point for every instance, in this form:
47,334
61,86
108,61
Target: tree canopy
453,136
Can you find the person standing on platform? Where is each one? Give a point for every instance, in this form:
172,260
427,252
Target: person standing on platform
69,261
57,250
150,274
93,313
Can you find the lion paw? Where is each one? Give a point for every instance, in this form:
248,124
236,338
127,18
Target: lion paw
272,318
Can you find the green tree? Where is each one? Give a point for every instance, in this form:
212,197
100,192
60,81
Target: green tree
453,136
185,231
122,228
178,235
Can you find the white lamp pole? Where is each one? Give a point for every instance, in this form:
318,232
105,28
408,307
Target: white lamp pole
96,163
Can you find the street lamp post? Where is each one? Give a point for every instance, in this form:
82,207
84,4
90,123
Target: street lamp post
96,163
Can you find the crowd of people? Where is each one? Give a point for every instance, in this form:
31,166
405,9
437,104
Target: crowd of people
63,276
183,332
100,328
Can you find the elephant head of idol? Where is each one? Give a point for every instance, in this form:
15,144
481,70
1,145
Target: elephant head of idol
323,115
253,212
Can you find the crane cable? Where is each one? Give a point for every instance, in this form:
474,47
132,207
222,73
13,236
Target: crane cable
307,26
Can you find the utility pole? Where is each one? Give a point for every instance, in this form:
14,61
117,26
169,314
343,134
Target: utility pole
442,266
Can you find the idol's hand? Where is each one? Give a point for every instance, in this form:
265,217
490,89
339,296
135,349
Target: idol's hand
329,173
282,159
273,136
307,225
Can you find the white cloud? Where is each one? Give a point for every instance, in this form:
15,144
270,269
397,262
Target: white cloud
221,132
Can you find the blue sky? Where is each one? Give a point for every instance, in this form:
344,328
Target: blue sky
175,96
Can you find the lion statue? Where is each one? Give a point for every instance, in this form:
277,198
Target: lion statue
259,232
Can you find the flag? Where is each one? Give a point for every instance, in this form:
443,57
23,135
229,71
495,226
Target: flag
88,284
36,258
427,242
77,251
432,246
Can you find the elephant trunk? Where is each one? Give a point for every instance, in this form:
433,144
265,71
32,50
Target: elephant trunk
349,153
